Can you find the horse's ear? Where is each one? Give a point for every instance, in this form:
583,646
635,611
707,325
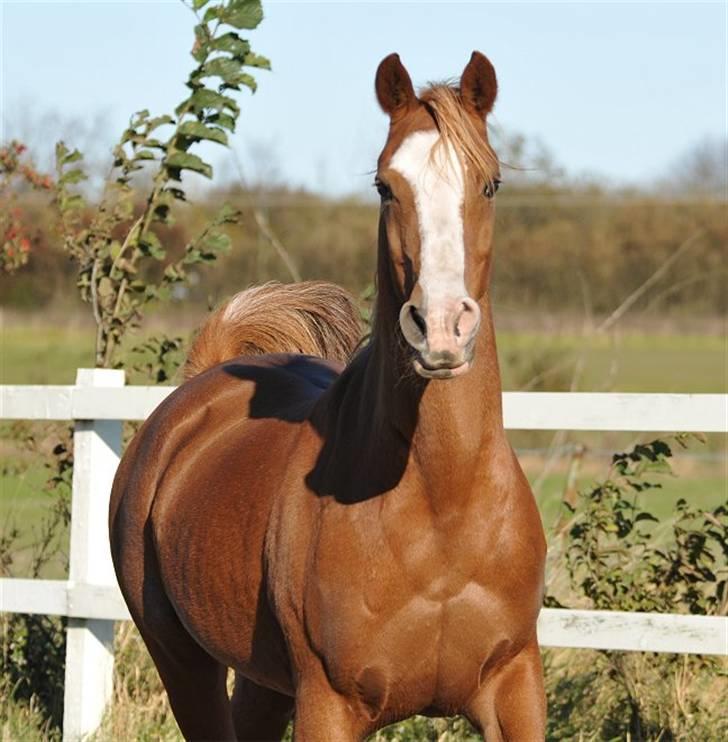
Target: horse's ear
394,86
478,85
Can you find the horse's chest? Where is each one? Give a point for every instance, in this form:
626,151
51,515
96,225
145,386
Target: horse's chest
410,619
414,649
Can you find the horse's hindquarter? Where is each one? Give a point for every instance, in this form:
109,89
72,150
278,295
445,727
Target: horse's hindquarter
200,480
391,581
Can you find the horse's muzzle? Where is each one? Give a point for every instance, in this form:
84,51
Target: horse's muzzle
443,334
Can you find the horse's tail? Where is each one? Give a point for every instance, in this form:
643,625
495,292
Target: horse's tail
314,318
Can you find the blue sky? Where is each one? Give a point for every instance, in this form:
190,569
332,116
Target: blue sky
618,90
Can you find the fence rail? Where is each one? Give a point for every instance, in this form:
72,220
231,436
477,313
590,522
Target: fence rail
90,598
704,413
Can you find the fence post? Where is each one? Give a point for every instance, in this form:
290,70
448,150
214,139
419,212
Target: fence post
89,642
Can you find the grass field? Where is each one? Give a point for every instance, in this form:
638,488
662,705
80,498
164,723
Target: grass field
36,353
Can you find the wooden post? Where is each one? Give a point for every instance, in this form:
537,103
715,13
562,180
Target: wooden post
89,642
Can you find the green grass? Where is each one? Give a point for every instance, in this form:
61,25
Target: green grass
44,355
25,507
706,490
633,362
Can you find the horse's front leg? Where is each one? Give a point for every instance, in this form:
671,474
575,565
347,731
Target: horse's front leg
511,705
322,714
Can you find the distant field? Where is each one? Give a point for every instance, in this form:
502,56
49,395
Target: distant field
634,362
50,355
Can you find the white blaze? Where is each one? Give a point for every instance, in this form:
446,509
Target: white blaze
438,185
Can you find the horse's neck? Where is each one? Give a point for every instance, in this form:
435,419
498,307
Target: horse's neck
452,427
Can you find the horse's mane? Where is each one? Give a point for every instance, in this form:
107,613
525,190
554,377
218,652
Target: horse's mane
457,129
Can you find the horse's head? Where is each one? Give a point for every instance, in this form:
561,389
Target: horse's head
437,176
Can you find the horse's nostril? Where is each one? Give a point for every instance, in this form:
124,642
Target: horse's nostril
467,319
419,321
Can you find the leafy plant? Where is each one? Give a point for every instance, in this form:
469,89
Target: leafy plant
32,655
114,242
619,557
159,358
615,560
16,172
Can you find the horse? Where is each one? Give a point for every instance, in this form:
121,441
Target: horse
345,524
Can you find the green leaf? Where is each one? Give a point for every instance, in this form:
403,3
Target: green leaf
256,60
192,256
243,13
150,246
197,4
158,121
231,42
197,130
176,193
203,98
218,242
73,176
228,215
162,213
212,14
105,287
202,38
185,161
144,154
61,151
74,201
248,80
155,144
174,273
228,70
70,157
222,119
138,118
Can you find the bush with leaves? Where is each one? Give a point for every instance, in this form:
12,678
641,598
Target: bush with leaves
114,241
34,646
619,557
17,172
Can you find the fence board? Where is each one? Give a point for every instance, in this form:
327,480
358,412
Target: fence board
705,413
633,631
46,597
62,598
36,402
701,413
557,627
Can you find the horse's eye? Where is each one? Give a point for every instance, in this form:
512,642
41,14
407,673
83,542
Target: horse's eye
490,188
383,190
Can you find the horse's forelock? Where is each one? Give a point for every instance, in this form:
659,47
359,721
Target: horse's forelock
459,130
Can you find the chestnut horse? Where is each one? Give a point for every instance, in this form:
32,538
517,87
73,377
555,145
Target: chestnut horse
358,542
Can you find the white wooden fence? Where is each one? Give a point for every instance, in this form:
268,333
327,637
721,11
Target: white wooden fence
91,600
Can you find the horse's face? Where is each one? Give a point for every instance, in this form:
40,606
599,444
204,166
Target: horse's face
437,177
